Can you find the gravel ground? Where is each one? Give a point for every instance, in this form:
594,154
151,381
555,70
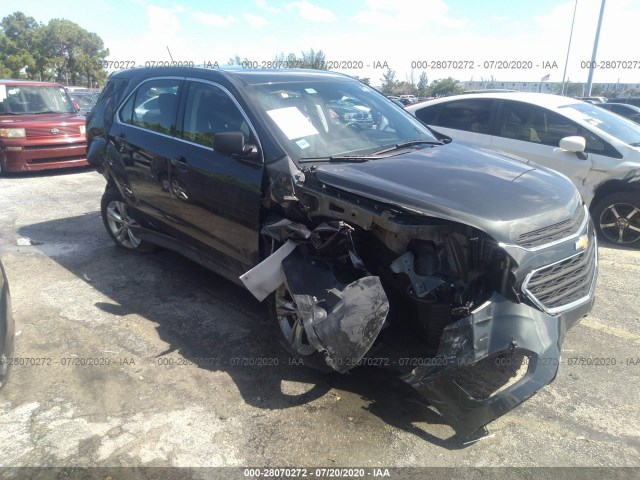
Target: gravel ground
173,393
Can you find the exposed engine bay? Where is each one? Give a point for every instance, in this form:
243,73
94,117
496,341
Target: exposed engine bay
441,302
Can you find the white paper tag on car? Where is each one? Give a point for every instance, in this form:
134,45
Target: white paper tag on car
292,122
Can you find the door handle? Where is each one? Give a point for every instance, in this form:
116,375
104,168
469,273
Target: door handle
180,162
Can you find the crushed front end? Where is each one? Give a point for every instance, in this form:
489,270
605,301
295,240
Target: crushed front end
507,348
469,311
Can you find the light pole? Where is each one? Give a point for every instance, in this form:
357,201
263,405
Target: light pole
595,49
566,62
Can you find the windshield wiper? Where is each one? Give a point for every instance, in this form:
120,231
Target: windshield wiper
410,143
339,158
48,111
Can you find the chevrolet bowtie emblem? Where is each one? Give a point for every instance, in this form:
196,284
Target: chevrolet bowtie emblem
582,242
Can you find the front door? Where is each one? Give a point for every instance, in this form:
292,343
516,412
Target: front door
215,197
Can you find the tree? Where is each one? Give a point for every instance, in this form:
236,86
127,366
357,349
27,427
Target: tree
310,59
74,53
423,85
17,43
365,80
60,50
389,82
445,87
404,88
315,60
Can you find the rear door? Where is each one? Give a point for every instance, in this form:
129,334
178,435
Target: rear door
215,198
468,120
144,134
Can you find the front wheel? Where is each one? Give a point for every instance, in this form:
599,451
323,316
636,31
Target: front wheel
617,218
293,338
118,222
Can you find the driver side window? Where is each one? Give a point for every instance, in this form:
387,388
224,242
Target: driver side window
210,110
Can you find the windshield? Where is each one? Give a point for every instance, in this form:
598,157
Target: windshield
86,100
30,99
611,123
316,120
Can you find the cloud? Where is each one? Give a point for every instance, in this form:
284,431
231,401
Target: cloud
213,20
310,11
163,20
384,13
262,4
254,20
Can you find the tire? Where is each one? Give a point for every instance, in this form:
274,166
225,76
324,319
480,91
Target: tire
116,219
617,219
288,323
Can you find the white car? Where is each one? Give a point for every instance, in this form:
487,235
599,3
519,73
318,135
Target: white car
598,150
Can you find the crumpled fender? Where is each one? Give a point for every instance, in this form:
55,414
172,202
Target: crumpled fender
343,307
95,154
341,317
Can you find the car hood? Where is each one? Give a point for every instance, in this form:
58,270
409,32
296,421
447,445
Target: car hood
473,186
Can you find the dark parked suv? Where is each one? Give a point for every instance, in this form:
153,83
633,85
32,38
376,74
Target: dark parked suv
365,239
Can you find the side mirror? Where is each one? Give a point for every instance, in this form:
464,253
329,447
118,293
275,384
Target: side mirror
576,145
573,144
232,143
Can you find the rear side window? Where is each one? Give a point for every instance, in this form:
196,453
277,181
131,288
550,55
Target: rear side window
468,115
107,91
429,114
153,106
110,96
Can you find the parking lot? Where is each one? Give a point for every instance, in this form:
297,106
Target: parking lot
150,360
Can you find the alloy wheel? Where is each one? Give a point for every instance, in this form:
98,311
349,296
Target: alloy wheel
120,224
290,322
620,223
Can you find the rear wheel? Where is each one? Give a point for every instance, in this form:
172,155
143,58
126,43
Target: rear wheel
118,222
617,218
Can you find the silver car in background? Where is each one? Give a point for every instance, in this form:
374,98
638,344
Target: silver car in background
597,149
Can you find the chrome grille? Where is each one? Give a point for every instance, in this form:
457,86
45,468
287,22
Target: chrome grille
63,130
564,284
554,232
49,147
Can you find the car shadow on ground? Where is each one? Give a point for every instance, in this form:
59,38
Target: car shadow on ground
56,172
202,316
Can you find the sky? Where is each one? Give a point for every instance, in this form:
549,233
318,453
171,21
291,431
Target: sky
429,35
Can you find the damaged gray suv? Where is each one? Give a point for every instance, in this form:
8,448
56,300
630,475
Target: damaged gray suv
370,241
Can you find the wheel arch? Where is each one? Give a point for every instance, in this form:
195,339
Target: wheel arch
613,186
